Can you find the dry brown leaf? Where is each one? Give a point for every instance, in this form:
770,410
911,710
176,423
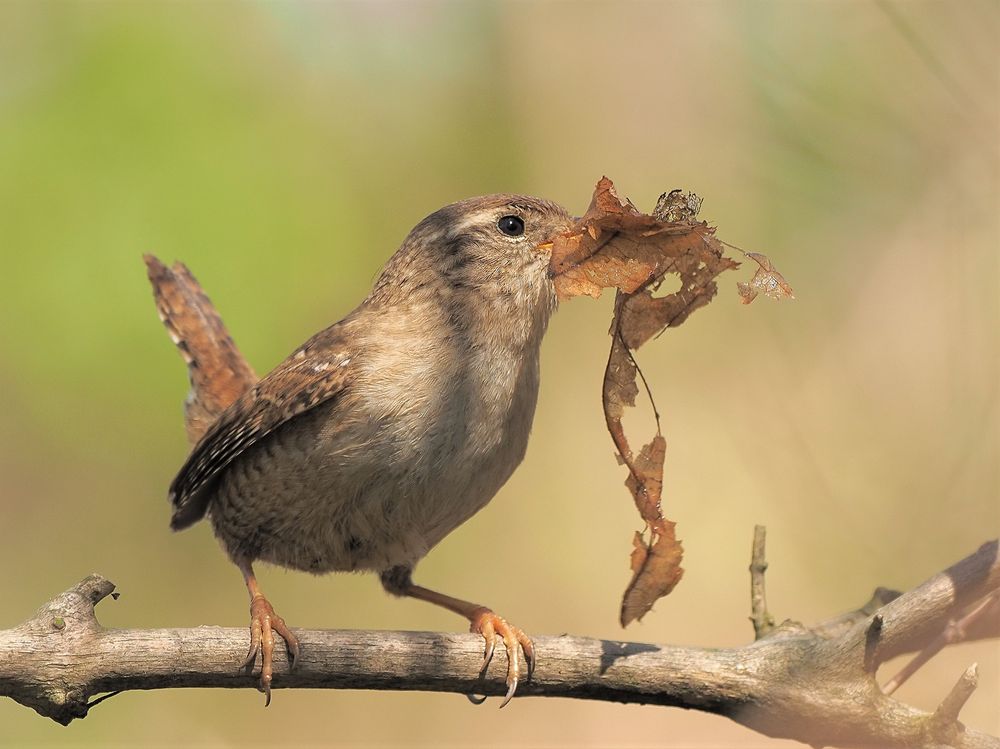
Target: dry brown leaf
614,245
655,564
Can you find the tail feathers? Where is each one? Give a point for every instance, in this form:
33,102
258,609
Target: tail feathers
217,370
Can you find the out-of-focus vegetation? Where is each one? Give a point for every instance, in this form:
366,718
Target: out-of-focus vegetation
284,150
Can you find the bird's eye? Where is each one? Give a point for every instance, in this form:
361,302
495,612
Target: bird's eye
512,226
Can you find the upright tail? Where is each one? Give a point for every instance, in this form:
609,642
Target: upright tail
217,370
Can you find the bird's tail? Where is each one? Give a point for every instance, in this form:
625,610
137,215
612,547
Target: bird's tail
217,370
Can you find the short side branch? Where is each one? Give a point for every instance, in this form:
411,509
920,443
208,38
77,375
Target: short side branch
763,622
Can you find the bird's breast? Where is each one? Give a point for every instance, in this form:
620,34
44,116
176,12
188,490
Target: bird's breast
454,418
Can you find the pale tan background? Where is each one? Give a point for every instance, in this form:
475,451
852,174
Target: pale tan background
284,151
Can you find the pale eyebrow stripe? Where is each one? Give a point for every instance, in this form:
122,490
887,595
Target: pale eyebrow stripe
472,219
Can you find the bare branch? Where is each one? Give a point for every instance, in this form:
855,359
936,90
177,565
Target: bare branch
839,625
790,683
763,622
914,619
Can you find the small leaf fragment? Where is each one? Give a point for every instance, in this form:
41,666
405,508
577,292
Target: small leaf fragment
656,566
657,570
646,479
677,205
767,281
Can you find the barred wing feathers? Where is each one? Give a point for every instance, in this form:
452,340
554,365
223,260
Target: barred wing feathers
315,373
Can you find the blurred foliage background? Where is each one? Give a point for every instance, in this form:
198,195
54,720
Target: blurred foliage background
284,150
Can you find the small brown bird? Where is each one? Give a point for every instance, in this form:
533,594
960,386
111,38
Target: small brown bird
384,432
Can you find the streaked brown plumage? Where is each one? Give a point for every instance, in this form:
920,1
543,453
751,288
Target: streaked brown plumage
387,430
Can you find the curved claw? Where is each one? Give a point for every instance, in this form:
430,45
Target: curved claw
264,622
291,641
529,652
492,628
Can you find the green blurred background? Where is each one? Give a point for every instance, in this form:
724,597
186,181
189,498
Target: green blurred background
284,150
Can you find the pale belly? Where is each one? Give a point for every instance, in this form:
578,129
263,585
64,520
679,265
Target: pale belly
323,496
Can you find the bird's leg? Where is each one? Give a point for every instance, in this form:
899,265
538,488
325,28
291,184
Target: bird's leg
483,621
263,624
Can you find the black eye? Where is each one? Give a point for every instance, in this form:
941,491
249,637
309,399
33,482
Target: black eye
512,226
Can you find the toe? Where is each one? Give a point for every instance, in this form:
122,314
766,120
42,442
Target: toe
251,658
266,659
490,637
494,628
291,641
263,624
511,644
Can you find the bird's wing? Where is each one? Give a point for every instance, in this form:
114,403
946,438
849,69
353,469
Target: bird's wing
315,373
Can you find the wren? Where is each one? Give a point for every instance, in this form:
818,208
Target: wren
386,431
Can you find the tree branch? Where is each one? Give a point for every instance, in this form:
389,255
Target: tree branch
981,622
817,686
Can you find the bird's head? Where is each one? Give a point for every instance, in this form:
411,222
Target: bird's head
493,250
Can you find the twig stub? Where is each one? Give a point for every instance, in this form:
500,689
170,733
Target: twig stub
763,622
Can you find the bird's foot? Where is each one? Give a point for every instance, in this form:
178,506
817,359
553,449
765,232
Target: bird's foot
263,624
495,629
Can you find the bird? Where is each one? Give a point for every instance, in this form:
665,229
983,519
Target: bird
382,433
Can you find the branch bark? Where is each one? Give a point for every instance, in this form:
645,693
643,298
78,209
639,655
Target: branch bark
981,622
815,684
